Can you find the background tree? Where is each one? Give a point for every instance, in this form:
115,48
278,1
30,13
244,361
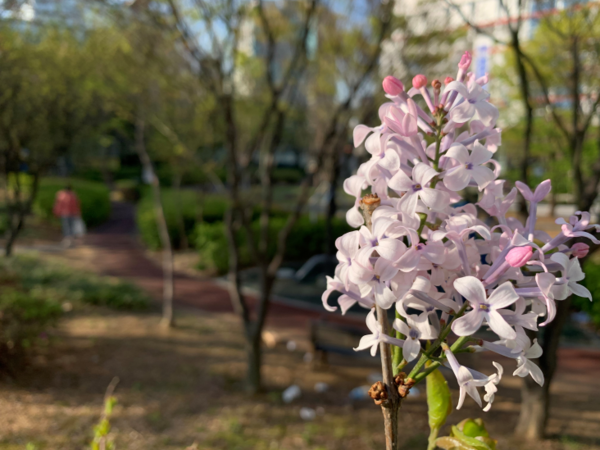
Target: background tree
563,59
45,108
277,72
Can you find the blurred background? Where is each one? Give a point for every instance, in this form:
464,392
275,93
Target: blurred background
172,188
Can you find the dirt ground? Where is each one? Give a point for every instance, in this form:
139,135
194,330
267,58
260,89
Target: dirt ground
183,386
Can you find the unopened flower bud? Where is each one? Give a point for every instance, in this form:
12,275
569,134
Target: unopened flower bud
419,81
392,85
448,80
518,256
580,249
465,61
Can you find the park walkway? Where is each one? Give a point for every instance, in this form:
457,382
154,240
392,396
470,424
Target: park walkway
115,250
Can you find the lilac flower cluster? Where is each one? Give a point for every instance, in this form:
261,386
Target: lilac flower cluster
439,261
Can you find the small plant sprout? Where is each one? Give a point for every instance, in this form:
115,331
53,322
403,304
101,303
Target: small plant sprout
101,439
423,252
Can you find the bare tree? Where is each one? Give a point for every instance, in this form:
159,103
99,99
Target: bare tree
219,68
513,26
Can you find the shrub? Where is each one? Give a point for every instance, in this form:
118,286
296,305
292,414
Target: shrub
23,317
592,282
211,243
192,205
288,175
32,296
65,284
306,239
93,196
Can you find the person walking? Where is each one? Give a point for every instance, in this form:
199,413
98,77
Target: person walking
66,206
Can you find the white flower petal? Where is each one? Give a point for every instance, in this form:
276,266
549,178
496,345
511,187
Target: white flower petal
504,295
463,112
400,182
411,349
482,176
500,326
467,324
457,178
470,288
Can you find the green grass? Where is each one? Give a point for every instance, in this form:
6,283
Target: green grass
60,284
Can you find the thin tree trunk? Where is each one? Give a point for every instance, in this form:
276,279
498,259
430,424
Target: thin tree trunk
553,201
332,204
535,399
183,240
390,407
254,355
524,88
254,380
161,223
23,208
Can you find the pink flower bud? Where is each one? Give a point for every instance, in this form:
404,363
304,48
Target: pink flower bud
465,61
518,256
419,81
580,249
392,85
448,80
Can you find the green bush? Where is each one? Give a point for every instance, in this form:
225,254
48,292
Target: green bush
192,205
288,175
211,243
62,284
93,196
23,316
592,282
306,239
33,294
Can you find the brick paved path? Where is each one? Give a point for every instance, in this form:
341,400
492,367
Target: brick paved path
118,252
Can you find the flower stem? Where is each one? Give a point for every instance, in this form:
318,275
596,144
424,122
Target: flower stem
433,434
397,351
391,406
455,348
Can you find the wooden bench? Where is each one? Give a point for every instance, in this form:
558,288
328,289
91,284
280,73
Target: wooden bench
331,337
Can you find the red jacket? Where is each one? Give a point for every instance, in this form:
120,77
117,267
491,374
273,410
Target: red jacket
66,204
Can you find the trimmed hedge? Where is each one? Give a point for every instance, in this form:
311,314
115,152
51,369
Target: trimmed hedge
203,223
306,239
93,196
194,208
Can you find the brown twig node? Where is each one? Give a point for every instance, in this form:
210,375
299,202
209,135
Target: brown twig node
404,384
378,393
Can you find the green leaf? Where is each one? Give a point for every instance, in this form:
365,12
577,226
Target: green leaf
451,443
470,441
439,400
473,428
